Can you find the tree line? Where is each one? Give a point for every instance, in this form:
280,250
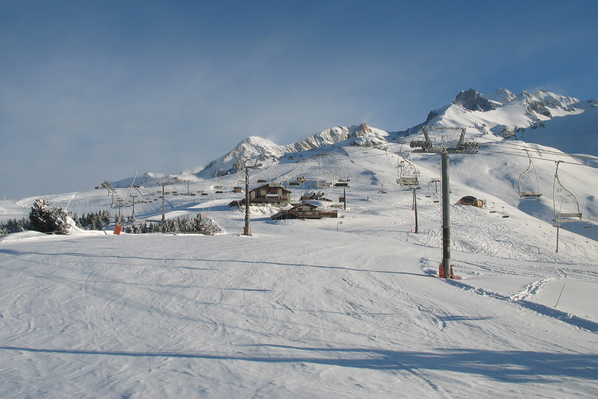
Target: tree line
46,217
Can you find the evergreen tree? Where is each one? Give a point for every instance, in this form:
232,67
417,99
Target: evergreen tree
98,224
12,226
48,218
77,221
105,216
23,224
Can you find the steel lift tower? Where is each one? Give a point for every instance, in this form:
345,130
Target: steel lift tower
444,147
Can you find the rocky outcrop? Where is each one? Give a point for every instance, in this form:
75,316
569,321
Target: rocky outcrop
474,101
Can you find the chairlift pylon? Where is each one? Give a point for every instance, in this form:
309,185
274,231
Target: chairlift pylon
528,184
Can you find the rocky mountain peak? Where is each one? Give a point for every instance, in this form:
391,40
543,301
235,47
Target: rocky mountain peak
501,95
474,101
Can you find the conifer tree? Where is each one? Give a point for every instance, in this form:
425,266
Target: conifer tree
48,218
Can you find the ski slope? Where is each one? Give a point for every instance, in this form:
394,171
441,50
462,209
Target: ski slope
343,308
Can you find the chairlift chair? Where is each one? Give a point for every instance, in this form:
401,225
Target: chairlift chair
588,224
528,184
408,174
492,209
566,197
321,171
343,180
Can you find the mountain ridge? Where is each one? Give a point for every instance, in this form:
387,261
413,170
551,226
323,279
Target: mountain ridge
499,113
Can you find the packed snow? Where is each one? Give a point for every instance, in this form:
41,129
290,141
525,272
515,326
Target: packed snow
346,307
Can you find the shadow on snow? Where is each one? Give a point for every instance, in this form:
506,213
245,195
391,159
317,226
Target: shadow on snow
507,366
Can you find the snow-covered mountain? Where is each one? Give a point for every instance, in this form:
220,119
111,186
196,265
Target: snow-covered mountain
499,114
260,149
503,114
501,96
535,125
542,117
325,308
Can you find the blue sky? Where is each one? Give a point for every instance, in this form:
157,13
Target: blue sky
96,90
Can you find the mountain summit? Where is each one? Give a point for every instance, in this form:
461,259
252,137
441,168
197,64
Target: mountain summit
474,101
263,149
499,113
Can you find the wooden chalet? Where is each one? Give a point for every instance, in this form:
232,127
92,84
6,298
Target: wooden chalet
304,211
472,201
315,197
268,194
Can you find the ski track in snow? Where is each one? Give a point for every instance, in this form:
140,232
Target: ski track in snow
299,309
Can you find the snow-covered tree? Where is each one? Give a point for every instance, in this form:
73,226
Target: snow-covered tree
15,226
185,225
48,218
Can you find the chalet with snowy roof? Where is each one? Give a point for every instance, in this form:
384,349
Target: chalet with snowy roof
471,200
304,211
313,196
268,194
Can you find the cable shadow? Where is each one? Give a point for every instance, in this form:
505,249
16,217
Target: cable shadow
83,255
505,366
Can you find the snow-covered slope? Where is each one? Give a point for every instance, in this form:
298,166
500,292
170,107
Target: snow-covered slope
346,307
343,308
505,115
574,133
260,149
501,96
541,117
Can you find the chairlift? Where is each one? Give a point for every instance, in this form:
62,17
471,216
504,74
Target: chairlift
343,180
295,180
588,224
408,174
278,179
528,184
562,196
492,209
321,171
